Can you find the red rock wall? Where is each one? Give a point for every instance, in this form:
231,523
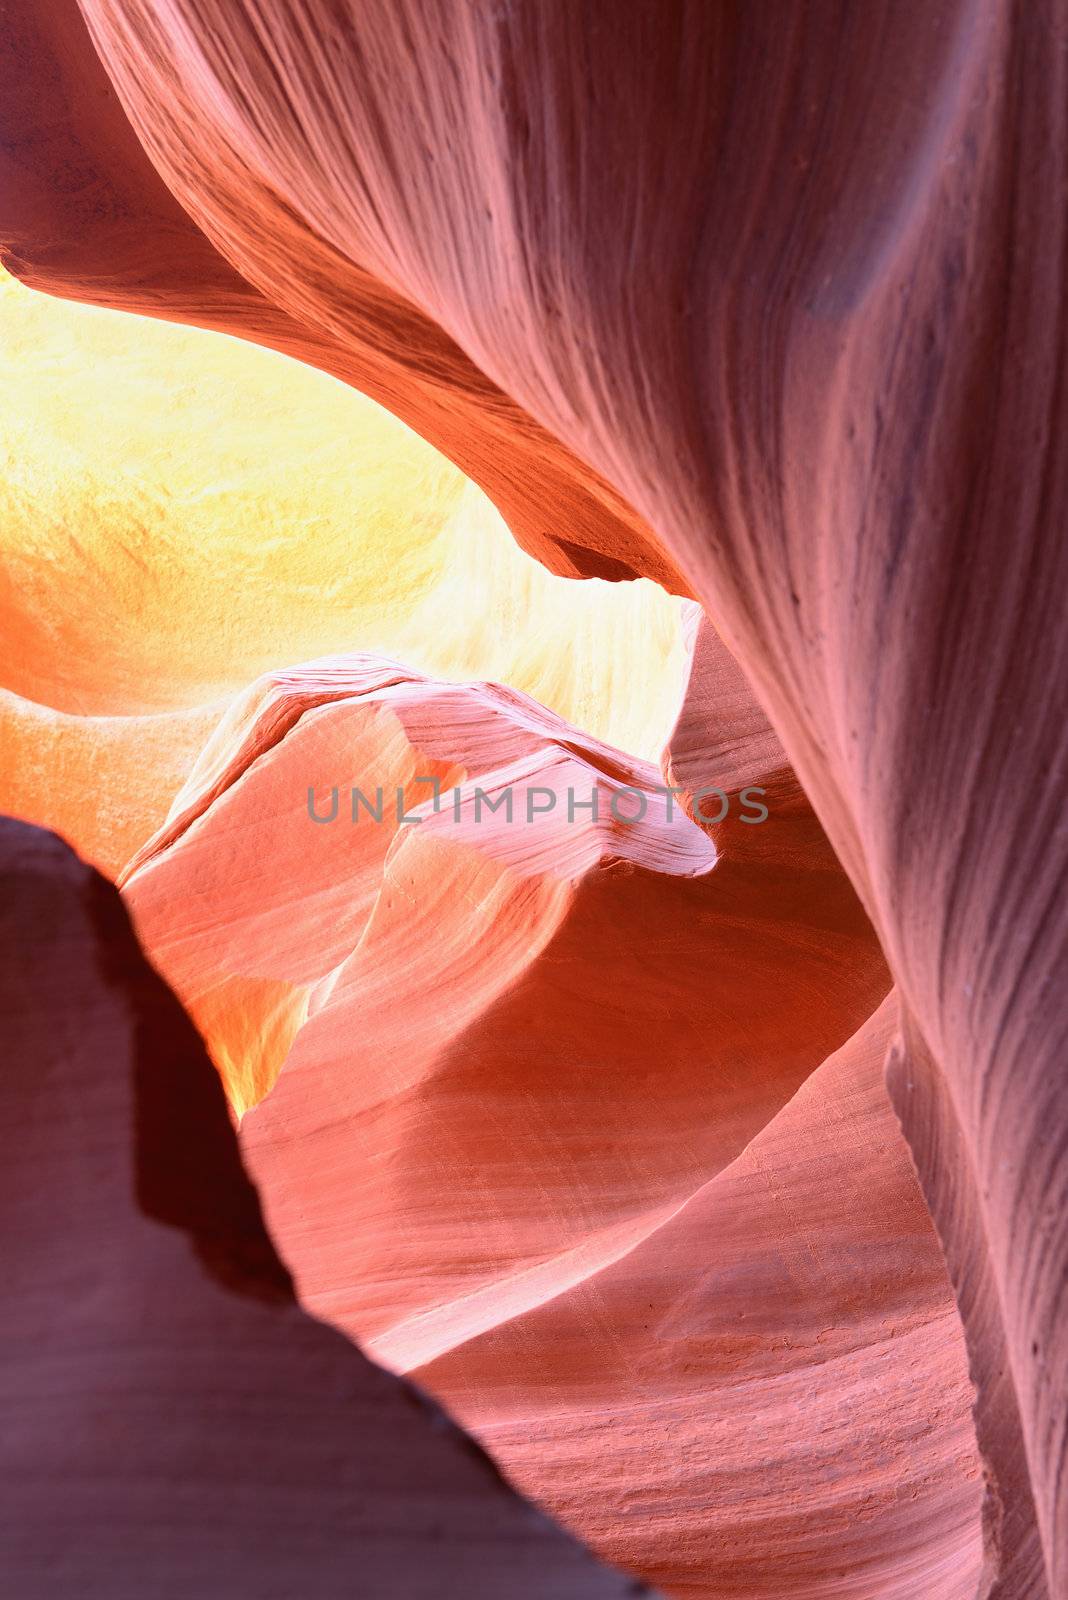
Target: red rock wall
175,1424
535,1134
791,285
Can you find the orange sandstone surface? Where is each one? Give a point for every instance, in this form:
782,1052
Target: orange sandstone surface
533,1132
713,1172
180,512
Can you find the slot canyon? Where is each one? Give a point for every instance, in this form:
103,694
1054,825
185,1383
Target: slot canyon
534,774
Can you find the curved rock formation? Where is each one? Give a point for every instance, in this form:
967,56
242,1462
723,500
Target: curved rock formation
105,784
181,512
794,292
86,215
766,1394
520,1061
720,727
175,1423
793,289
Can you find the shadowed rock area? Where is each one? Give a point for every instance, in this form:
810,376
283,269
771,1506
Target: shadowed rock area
175,1423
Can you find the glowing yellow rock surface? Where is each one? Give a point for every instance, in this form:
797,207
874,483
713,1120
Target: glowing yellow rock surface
104,783
181,512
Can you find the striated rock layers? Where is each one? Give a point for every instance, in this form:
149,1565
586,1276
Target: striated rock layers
86,214
769,307
535,1134
181,512
175,1424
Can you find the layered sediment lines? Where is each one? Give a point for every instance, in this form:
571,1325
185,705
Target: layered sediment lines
181,512
701,1317
175,1423
768,1387
87,215
794,291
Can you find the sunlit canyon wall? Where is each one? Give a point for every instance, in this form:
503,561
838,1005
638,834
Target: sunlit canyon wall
709,1167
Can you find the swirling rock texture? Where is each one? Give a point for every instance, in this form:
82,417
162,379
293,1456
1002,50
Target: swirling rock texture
87,215
144,1296
791,286
597,1249
180,512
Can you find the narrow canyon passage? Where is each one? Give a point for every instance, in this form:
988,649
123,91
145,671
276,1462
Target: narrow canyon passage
182,512
563,655
522,1109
